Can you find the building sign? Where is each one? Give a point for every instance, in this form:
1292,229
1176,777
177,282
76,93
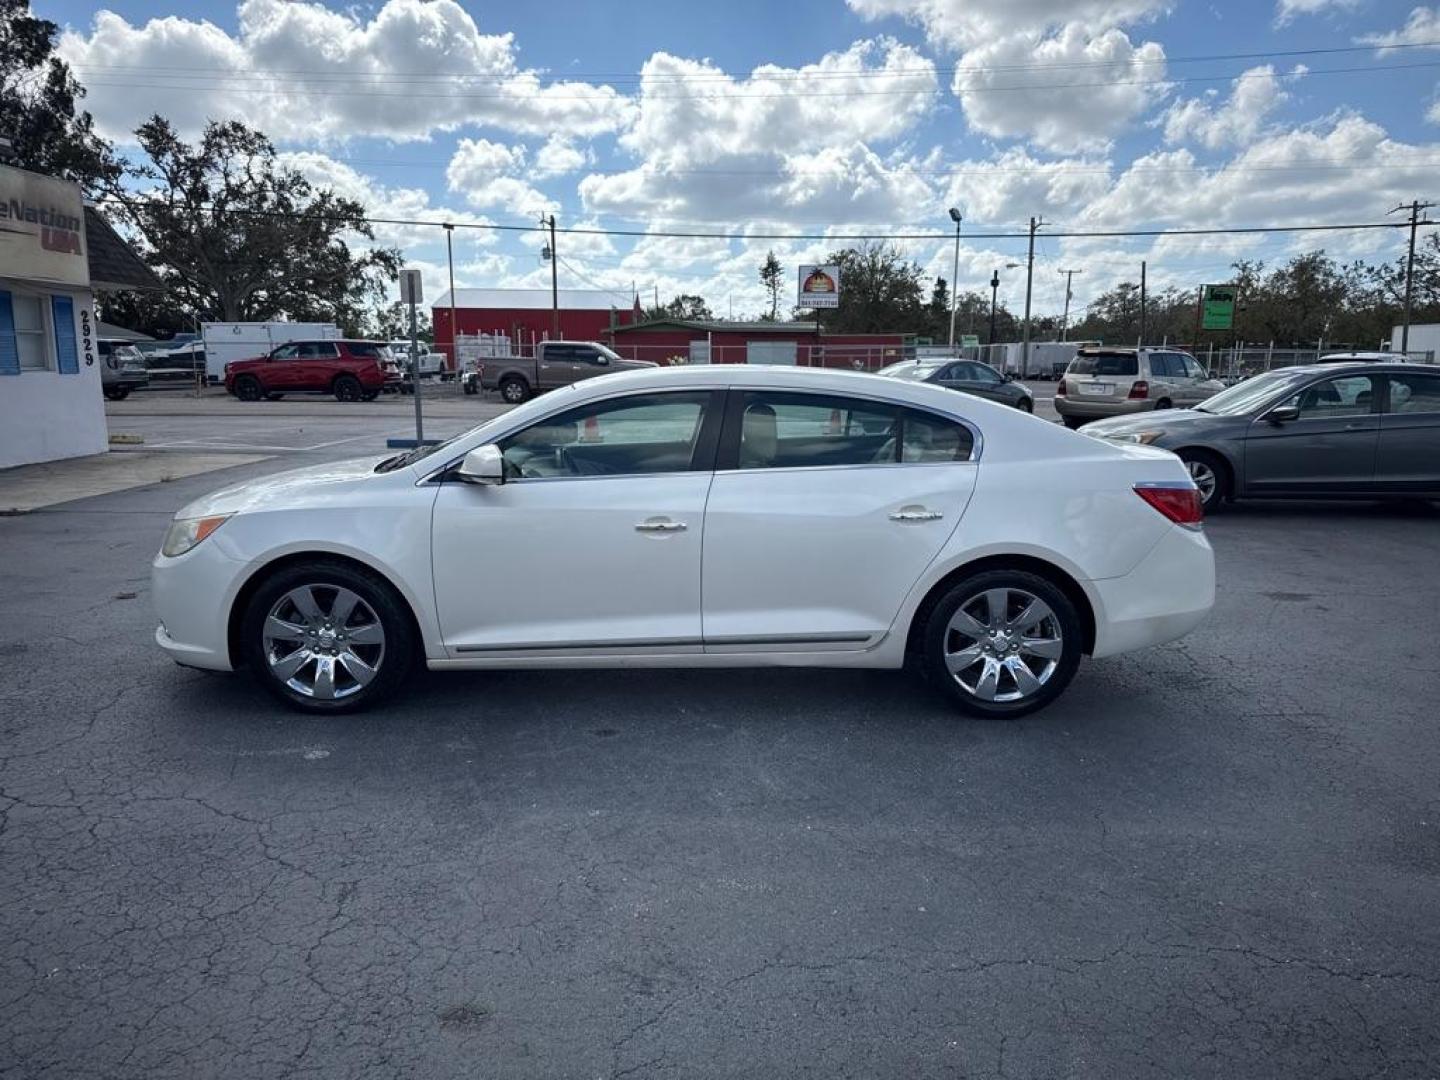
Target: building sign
42,229
819,286
1217,310
969,341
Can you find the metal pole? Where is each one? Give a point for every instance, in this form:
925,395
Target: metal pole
1142,303
1065,319
1029,287
454,334
554,284
954,294
415,377
994,292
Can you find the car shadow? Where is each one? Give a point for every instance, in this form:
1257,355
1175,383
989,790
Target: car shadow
1335,509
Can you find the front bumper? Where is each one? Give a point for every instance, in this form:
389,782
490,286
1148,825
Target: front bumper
192,595
1165,597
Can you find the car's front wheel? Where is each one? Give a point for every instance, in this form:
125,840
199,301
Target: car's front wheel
327,637
1003,643
1210,476
118,393
247,388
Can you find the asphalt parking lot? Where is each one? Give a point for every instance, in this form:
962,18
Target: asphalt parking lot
1219,858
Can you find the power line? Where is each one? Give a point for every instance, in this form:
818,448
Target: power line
300,86
793,74
877,236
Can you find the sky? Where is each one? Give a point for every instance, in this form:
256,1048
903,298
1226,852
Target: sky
819,117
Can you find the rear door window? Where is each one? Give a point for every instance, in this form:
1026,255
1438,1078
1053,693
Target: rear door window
1103,364
369,350
779,430
928,439
1415,393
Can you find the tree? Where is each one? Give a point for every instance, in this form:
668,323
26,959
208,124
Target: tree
236,237
38,96
392,323
771,273
879,293
938,314
685,306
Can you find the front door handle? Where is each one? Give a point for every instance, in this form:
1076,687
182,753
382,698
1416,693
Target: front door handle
1358,427
660,525
916,513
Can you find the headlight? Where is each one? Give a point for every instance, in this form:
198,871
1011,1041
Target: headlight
185,533
1144,438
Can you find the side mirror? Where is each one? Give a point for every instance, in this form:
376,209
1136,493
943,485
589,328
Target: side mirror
1283,414
483,465
602,359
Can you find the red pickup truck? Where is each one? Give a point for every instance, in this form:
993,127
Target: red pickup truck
351,370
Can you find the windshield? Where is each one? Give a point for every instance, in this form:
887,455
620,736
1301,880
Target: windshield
1104,364
536,406
1247,396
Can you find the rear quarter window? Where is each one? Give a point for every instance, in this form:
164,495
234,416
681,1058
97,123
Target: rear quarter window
1104,364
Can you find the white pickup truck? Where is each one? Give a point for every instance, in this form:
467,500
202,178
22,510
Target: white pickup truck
555,364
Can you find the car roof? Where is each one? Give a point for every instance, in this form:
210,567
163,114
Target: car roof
1338,367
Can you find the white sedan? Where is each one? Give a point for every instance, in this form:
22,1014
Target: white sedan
717,516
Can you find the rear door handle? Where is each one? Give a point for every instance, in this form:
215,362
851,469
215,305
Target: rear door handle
660,525
916,513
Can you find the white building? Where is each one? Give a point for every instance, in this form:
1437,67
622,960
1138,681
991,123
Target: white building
50,401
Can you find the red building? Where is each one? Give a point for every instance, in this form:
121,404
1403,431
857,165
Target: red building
525,316
684,341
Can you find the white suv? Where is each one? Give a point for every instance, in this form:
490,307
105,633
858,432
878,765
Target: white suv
1103,382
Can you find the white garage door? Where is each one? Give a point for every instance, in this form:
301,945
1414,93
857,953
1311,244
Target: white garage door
770,352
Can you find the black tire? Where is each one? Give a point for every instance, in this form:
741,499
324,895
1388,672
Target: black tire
247,388
346,388
1052,673
370,395
1201,462
1164,403
1025,405
1072,422
514,389
468,386
273,397
117,394
392,662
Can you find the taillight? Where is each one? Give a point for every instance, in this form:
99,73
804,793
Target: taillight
1140,390
1181,503
1060,387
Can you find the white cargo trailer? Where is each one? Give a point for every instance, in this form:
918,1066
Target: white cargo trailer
225,342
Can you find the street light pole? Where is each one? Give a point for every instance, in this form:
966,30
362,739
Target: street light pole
994,292
955,273
454,335
1035,223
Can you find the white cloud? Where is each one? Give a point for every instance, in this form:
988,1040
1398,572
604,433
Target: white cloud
1421,28
1432,114
560,156
967,23
1010,187
1287,10
303,72
1236,120
483,171
1069,93
775,145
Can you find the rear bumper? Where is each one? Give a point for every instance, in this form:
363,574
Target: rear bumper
1066,405
1165,597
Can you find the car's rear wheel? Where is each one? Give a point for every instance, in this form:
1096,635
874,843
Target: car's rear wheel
1025,405
1072,422
1164,403
347,388
514,390
1210,475
247,388
327,637
118,393
1003,643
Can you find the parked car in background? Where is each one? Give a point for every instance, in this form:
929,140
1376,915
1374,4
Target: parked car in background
993,550
432,364
122,368
555,363
176,366
968,376
1362,430
350,370
1101,382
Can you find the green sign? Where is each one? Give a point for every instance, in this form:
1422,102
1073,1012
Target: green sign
969,341
1217,311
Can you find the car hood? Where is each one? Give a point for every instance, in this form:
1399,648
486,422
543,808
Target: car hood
312,486
1166,420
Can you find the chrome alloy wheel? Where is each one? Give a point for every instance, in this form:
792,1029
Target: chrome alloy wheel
1003,645
323,641
1203,473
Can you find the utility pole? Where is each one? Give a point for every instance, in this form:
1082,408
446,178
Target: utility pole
554,277
994,292
454,336
954,293
1065,319
1035,223
1416,208
1141,342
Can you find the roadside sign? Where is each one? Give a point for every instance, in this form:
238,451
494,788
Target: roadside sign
411,289
819,286
1218,307
969,341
